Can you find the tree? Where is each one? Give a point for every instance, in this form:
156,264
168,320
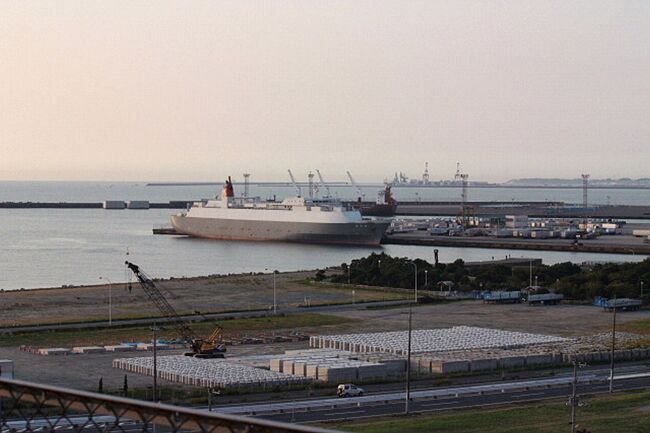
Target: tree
125,388
100,387
320,275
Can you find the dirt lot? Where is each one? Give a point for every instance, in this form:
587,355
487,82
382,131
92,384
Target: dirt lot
203,294
562,320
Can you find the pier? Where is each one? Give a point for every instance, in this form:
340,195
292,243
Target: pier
612,245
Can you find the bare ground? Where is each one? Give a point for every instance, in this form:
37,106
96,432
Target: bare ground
188,295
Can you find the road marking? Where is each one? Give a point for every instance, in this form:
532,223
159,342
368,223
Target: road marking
348,412
530,394
438,403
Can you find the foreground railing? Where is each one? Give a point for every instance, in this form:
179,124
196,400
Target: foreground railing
31,407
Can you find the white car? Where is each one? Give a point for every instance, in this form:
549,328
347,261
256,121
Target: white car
349,390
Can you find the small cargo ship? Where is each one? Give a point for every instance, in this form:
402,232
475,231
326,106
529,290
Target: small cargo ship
384,206
294,219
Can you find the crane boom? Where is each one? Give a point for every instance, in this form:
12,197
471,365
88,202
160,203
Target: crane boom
359,192
322,182
200,348
295,185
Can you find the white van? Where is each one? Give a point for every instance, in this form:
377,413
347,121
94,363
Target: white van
349,390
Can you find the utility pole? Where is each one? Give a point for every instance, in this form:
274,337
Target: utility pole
575,400
641,292
349,267
408,366
110,300
275,308
611,365
275,304
415,282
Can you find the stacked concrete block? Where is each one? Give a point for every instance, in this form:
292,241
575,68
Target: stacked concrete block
277,365
121,348
300,368
483,364
54,351
434,340
337,374
393,366
371,371
509,362
149,346
449,366
539,360
208,373
88,349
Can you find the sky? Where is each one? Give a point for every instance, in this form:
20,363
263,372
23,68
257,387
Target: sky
196,90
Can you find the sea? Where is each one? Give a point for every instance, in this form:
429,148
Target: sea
59,247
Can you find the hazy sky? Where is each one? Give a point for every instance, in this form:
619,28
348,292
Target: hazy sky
195,90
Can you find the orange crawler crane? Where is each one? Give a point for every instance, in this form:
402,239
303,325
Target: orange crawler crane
211,347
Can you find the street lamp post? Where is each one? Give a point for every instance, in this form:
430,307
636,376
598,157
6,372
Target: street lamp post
611,365
426,278
110,301
275,305
641,291
154,328
415,267
408,366
349,278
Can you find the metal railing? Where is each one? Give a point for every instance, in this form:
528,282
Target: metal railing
30,407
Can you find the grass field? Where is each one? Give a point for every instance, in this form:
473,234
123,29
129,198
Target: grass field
621,413
305,321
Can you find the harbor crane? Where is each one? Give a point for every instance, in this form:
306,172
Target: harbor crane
210,347
360,193
295,185
323,184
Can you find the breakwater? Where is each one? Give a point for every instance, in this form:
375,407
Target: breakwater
83,205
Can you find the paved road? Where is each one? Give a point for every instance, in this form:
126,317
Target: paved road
440,404
202,317
441,398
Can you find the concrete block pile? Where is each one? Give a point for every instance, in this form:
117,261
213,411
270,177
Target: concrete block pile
431,340
208,372
335,366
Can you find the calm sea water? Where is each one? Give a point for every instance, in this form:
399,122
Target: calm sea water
53,247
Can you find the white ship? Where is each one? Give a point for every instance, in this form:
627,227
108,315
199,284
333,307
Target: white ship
295,219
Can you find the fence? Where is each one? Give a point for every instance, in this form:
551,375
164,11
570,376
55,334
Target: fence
30,407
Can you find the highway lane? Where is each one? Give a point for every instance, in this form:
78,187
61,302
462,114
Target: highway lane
436,392
432,405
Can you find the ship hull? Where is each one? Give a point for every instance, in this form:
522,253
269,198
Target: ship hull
380,210
367,233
